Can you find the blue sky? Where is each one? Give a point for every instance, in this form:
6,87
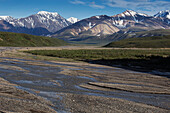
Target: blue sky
80,8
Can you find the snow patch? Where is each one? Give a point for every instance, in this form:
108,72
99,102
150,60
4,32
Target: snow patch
98,17
6,18
163,14
132,13
168,16
47,13
119,23
142,14
91,25
73,20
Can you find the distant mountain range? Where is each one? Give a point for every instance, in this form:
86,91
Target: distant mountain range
126,22
52,24
7,27
47,22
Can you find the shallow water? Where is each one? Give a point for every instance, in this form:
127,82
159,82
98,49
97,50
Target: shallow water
51,84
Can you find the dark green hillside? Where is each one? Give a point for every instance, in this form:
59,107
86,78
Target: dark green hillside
25,40
145,42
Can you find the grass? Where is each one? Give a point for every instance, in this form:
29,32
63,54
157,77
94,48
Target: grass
155,59
25,40
145,42
101,54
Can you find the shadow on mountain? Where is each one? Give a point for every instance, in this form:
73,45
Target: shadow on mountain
155,64
32,31
7,27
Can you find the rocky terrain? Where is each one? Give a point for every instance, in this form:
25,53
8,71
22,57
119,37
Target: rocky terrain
14,100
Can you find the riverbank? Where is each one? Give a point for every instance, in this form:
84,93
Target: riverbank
143,60
69,85
13,100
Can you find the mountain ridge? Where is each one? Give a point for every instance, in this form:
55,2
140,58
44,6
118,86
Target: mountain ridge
51,21
163,14
126,22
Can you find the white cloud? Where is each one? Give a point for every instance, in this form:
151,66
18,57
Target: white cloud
78,2
149,7
94,5
90,4
145,6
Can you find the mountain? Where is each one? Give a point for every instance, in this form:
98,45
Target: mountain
128,18
93,26
121,35
132,19
51,21
6,18
4,26
99,26
25,40
163,14
73,20
144,42
7,27
96,27
42,22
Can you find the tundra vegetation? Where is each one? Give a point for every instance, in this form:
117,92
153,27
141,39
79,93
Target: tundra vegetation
148,59
25,40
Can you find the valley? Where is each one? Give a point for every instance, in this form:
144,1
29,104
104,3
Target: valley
71,85
116,62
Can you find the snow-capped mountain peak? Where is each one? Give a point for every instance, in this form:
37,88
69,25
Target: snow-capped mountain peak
132,13
51,21
73,20
163,14
6,18
122,20
47,13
